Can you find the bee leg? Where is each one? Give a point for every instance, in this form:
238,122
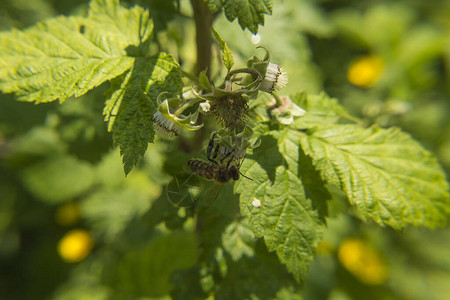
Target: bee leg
226,156
239,166
245,176
210,147
213,159
242,161
216,152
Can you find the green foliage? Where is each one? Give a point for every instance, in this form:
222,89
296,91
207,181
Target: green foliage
286,218
203,80
386,174
250,13
299,184
109,214
156,260
49,181
227,55
131,104
24,13
69,56
238,239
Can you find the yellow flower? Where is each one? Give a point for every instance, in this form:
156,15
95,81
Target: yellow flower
365,70
363,261
68,214
75,245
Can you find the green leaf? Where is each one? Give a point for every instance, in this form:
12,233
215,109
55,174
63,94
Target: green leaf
204,81
146,271
109,171
250,13
68,56
321,110
24,13
38,143
256,271
132,103
7,205
238,239
162,12
109,211
214,5
82,291
286,218
227,55
58,179
118,201
387,175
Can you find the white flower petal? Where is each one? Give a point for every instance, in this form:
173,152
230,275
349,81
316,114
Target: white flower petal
165,127
275,78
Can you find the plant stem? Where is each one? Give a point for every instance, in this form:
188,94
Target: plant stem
278,101
191,102
243,70
203,24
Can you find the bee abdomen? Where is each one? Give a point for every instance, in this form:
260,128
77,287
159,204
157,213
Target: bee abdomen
202,168
196,164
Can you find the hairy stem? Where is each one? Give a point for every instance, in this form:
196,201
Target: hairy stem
203,23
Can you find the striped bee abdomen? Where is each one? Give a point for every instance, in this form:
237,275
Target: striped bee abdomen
209,170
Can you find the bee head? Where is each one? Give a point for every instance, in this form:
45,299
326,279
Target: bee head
224,176
234,171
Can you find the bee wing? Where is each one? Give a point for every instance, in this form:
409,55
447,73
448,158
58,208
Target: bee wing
210,193
187,190
183,190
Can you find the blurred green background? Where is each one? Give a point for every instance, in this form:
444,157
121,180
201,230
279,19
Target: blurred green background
72,227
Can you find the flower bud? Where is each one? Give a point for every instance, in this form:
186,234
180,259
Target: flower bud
168,120
204,107
275,78
286,110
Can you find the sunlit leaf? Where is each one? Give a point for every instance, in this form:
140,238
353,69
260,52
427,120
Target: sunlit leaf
58,179
320,110
227,55
68,56
286,217
132,103
250,13
238,239
387,175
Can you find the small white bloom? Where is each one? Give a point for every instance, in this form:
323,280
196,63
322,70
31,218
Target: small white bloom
204,107
256,203
275,78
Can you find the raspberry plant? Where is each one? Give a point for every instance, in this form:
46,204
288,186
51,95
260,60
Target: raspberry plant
299,153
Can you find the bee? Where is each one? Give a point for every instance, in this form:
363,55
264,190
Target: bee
213,170
227,153
216,172
220,170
